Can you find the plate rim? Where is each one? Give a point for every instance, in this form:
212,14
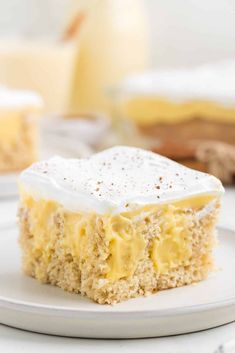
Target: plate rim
63,311
30,307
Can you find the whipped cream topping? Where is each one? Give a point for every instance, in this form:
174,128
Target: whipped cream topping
14,99
116,180
209,82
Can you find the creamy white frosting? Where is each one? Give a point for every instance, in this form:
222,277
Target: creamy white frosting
211,82
14,99
116,180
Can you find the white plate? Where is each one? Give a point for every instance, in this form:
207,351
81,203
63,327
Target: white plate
29,305
8,185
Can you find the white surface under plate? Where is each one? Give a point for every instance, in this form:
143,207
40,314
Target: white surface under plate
8,184
29,305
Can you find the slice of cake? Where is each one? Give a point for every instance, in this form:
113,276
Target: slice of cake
121,224
180,95
179,109
19,111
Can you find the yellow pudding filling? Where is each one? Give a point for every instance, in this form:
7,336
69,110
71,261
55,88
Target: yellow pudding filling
150,110
18,137
123,235
10,126
173,248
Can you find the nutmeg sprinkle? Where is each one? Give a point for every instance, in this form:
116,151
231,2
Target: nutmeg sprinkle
115,178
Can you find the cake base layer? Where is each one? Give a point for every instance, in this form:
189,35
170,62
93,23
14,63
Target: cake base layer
111,258
193,129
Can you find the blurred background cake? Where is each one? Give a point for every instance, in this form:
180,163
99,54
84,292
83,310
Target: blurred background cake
182,111
19,113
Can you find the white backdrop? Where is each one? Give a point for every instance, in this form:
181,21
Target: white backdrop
183,32
187,32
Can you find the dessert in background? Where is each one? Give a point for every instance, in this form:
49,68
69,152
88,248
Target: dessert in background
179,110
19,112
121,224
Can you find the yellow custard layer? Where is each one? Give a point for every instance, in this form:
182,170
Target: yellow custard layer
150,110
12,123
10,126
124,234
